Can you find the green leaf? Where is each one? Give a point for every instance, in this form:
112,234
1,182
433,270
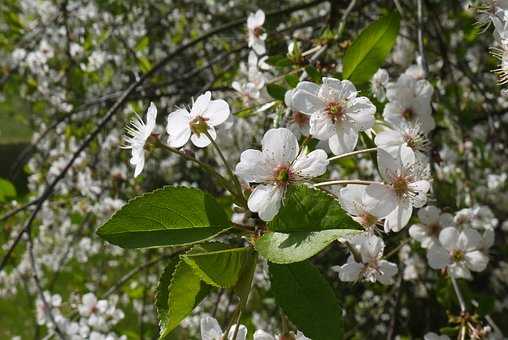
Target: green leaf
7,190
243,286
278,61
292,80
166,217
308,209
162,293
297,246
370,48
314,74
185,292
307,299
276,91
220,267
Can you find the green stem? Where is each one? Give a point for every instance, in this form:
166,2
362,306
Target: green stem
345,182
230,171
205,166
351,154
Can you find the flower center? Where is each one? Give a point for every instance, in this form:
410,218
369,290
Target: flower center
367,219
258,31
282,175
300,119
457,255
408,114
400,185
434,229
335,110
199,125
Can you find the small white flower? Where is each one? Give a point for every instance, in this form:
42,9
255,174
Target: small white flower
354,200
405,186
337,114
203,117
210,330
256,35
137,134
279,164
408,136
459,252
371,268
409,102
432,221
378,84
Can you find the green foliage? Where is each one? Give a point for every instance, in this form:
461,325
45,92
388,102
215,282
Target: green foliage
314,74
278,61
276,91
220,266
166,217
298,245
370,49
184,293
307,299
7,190
308,209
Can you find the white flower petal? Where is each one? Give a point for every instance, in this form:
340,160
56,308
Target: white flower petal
399,217
321,126
241,335
306,102
265,200
217,112
178,128
469,239
350,271
449,237
476,260
438,257
380,199
210,329
201,104
253,167
280,146
262,335
311,165
429,215
202,139
345,138
351,198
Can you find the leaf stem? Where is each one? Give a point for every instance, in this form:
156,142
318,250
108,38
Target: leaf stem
344,182
357,152
456,288
230,171
205,166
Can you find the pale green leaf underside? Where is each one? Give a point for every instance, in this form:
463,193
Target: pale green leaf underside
297,246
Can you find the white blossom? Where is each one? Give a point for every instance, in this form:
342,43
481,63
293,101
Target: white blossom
409,102
405,186
211,330
279,164
432,221
371,267
256,36
459,252
137,135
336,113
204,116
